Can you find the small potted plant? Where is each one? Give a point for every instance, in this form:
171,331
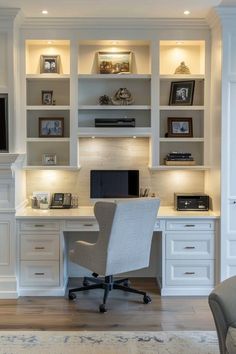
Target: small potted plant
44,203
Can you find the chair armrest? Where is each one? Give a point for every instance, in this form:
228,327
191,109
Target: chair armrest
222,302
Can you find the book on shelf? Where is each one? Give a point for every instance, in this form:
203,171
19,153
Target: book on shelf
180,162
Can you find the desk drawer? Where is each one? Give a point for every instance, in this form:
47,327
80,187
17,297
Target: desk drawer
82,225
189,225
39,225
190,245
39,247
39,273
187,272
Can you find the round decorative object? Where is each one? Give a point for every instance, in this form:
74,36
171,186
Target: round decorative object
182,69
122,97
104,100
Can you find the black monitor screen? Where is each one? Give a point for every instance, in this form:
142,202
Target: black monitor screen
114,184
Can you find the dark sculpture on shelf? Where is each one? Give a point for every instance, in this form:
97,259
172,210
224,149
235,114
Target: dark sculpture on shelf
122,97
104,100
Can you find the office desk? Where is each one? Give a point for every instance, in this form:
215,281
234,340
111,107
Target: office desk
187,249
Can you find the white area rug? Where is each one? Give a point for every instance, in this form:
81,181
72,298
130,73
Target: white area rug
39,342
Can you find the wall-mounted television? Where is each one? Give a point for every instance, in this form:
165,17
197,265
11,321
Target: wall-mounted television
3,122
114,184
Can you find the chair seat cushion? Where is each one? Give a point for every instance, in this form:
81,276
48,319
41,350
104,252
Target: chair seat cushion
231,340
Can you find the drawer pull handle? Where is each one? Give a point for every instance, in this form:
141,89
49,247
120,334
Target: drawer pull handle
87,224
39,248
39,225
189,247
189,273
189,225
39,273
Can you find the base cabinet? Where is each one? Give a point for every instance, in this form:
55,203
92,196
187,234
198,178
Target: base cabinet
189,249
187,254
39,254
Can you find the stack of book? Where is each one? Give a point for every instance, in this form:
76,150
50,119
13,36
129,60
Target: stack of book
179,159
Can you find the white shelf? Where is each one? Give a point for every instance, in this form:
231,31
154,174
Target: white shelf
166,168
113,132
47,108
47,76
114,76
179,140
182,77
111,107
44,140
182,108
54,167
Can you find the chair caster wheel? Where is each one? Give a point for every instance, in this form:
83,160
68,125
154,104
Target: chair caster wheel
85,283
102,308
72,296
146,299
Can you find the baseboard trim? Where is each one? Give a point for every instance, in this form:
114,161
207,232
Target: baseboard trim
186,291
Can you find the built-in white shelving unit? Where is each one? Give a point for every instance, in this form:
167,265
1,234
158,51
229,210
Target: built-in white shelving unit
78,85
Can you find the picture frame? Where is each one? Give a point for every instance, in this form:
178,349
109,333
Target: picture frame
47,97
42,196
49,159
114,62
180,127
51,127
49,64
181,93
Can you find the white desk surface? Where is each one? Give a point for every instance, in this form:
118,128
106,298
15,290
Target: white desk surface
86,212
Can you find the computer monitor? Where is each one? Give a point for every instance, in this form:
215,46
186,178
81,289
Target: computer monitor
114,184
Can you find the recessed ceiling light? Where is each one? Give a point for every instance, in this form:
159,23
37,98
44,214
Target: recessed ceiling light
45,12
179,42
186,12
49,42
115,42
134,137
93,137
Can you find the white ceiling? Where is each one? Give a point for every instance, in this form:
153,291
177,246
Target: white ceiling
115,8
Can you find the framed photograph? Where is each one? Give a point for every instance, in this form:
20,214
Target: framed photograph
114,62
51,127
47,97
49,159
180,127
181,93
49,64
42,196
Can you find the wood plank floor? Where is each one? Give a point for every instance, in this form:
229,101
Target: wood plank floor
125,312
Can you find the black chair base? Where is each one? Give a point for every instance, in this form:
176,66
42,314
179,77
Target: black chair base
107,284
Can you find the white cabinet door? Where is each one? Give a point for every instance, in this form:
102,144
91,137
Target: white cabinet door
5,239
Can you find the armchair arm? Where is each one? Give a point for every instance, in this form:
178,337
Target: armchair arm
222,302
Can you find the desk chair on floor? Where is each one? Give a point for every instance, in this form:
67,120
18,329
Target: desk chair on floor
124,244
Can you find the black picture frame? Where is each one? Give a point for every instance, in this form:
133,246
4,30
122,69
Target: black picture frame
181,93
47,97
49,64
180,127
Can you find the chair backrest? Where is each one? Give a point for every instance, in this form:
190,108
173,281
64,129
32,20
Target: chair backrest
126,230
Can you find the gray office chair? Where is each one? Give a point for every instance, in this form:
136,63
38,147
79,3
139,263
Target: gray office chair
222,301
123,245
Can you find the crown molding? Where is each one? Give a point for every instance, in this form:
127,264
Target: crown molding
213,18
7,17
112,23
